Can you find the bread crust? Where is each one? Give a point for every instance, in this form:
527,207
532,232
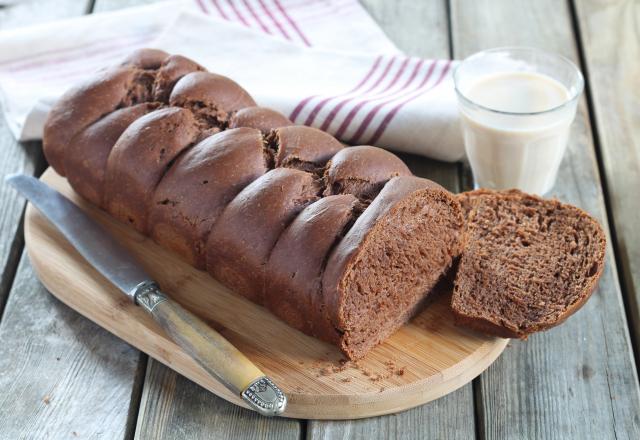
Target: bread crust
146,58
261,118
86,103
199,185
362,171
207,89
239,244
305,148
87,153
294,291
171,70
140,158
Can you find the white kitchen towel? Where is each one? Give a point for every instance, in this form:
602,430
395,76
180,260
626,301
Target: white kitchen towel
360,89
331,24
402,103
38,63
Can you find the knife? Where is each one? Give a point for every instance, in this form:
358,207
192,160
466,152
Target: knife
206,346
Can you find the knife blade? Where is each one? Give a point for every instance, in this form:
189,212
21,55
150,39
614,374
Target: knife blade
206,346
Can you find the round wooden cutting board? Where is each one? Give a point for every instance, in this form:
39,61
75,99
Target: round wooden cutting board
426,359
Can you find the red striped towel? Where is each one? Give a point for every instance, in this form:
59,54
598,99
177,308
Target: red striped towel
323,63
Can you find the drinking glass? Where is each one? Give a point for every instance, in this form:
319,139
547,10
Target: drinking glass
516,149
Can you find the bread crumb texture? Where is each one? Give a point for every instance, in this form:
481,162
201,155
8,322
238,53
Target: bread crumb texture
528,263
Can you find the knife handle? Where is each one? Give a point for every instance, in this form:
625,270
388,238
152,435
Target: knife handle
212,351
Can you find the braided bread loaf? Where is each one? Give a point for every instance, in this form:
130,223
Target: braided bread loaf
341,243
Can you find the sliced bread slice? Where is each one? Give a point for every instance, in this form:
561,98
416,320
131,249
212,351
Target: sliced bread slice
379,275
528,263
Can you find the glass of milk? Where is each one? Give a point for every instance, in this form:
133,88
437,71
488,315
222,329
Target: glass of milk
516,107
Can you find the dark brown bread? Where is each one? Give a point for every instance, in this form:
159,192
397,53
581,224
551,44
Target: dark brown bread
90,101
147,75
199,185
205,90
388,262
241,240
261,118
86,154
168,69
172,69
195,190
146,58
294,289
151,141
304,148
140,158
528,263
362,171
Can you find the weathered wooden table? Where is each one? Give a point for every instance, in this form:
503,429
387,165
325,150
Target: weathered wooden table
61,376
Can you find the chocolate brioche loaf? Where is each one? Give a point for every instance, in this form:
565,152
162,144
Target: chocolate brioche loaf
341,243
528,263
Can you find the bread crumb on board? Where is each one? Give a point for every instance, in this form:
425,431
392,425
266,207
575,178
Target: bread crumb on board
391,369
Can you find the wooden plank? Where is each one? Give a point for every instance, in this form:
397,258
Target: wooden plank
450,417
578,380
16,157
61,375
173,407
21,158
614,72
420,29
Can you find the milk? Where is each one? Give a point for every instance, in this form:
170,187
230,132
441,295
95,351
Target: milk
516,128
